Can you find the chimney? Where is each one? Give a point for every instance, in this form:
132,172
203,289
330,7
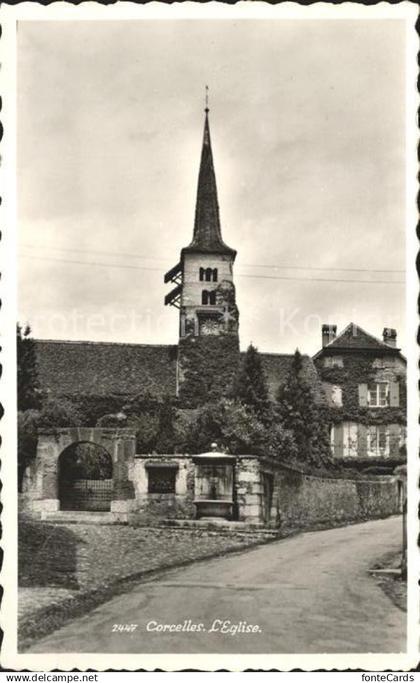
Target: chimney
329,332
390,336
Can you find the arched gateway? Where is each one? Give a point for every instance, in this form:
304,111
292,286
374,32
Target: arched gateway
82,468
85,478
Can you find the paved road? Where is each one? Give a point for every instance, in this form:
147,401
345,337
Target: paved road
310,593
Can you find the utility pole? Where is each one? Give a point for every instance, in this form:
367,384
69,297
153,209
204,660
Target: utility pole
400,474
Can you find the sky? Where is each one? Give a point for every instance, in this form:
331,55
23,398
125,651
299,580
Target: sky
307,122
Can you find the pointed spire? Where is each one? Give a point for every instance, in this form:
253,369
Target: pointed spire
207,236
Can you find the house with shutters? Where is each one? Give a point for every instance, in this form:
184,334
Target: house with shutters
364,380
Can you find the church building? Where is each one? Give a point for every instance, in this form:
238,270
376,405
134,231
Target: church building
357,378
344,374
206,357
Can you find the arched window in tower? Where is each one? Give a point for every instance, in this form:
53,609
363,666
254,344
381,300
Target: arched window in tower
204,297
209,272
214,274
202,274
212,298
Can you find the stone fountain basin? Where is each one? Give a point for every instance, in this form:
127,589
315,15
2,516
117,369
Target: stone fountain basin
214,508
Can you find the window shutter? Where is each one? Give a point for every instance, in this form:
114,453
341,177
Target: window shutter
372,441
362,441
394,431
363,392
394,395
338,441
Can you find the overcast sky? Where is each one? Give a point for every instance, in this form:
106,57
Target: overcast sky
307,126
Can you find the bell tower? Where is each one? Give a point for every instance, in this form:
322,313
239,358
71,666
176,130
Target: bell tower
204,290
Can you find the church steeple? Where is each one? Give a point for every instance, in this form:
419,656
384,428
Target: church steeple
207,237
204,291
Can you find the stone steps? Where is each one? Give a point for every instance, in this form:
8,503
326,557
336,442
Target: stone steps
217,524
81,517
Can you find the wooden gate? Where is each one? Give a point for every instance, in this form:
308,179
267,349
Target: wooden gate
86,494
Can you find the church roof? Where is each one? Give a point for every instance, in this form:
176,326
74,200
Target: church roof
107,368
82,367
277,367
207,237
355,338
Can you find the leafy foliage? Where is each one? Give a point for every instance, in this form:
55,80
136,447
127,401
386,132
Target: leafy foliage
112,420
91,407
300,414
27,440
225,422
166,431
359,369
208,366
28,391
146,426
58,413
251,385
85,461
54,413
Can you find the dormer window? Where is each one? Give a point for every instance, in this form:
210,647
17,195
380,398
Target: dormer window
208,298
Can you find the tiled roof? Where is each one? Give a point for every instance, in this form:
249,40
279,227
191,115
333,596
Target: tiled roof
71,367
81,367
277,367
354,337
207,236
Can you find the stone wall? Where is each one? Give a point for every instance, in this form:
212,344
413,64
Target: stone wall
248,489
178,505
301,500
41,479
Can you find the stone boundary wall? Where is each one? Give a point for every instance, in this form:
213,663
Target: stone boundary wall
302,500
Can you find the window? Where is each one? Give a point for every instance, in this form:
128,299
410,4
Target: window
208,298
336,395
377,441
161,479
344,440
333,362
208,274
350,440
378,394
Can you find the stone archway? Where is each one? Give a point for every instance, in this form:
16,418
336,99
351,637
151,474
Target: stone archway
85,479
119,443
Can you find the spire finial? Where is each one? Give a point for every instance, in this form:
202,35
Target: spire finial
207,100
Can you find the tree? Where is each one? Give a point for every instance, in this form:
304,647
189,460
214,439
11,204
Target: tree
166,430
251,385
226,422
299,413
281,444
27,441
58,412
28,392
